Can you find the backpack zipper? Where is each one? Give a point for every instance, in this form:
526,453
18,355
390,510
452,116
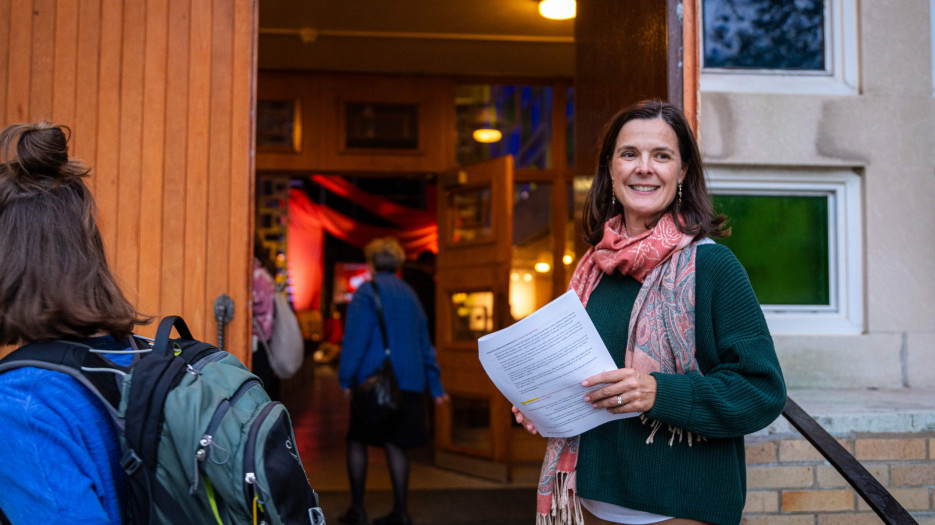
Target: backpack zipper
249,460
207,439
201,362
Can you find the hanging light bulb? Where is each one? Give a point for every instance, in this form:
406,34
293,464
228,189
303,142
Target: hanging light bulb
487,135
557,9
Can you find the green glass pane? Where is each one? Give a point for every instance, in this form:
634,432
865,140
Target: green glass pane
782,242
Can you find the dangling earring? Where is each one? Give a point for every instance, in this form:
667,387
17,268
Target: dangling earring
680,196
613,197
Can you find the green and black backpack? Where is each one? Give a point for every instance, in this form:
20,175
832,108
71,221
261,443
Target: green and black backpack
202,442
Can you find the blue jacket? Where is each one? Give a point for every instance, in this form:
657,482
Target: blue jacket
60,458
411,353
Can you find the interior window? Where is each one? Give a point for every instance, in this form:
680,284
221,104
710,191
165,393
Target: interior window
494,120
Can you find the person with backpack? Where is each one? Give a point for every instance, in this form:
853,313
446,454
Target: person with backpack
182,434
60,458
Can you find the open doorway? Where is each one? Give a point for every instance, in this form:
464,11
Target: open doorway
381,99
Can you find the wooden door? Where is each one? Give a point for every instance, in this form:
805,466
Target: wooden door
159,96
472,299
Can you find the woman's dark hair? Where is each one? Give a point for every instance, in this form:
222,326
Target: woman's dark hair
385,254
54,278
695,216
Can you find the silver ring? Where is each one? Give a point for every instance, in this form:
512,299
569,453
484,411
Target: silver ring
619,400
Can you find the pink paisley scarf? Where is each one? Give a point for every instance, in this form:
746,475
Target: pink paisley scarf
661,336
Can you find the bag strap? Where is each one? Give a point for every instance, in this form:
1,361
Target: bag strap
162,346
379,304
95,372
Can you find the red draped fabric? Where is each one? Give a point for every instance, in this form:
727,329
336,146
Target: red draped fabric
387,209
417,232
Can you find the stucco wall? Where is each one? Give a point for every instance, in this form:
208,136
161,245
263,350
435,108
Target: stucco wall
887,133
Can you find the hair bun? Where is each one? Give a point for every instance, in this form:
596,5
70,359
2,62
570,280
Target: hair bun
41,151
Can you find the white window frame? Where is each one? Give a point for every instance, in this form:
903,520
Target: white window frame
932,40
845,313
841,61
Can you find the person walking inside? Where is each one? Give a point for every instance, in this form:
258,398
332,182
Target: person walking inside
414,365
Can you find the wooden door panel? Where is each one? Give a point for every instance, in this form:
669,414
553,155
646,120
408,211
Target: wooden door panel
472,298
159,97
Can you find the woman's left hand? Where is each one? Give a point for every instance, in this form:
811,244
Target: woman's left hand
442,399
622,390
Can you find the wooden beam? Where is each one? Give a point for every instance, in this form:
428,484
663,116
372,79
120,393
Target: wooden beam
621,57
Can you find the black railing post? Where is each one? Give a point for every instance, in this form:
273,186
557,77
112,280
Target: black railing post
880,500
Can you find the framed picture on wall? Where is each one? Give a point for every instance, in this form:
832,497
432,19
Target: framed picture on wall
379,126
278,125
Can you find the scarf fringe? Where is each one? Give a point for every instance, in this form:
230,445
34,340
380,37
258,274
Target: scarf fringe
566,506
675,431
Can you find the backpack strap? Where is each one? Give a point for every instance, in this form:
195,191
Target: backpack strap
78,360
162,345
153,378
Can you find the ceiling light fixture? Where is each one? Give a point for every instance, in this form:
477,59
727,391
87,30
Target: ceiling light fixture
557,9
487,135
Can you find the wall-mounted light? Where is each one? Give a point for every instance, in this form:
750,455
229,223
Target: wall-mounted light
542,267
487,135
557,9
567,259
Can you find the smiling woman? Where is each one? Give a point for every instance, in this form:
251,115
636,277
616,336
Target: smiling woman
681,322
646,169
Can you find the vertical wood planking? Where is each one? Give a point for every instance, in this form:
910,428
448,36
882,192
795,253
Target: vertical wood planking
84,140
5,47
159,95
132,203
43,54
196,192
242,173
219,160
173,200
153,159
106,168
66,63
19,62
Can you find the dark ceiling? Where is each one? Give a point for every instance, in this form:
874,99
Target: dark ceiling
441,37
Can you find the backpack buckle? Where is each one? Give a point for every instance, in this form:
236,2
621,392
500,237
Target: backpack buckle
130,462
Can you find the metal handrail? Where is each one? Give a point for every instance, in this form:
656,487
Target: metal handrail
875,494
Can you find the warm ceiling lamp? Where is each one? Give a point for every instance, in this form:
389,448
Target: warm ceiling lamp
487,135
557,9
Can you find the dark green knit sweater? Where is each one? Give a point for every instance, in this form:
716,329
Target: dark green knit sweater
740,390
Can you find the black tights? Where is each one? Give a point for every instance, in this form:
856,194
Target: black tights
397,460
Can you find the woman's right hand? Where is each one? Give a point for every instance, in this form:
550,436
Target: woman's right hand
521,419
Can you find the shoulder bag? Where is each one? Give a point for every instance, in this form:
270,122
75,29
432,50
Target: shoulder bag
376,401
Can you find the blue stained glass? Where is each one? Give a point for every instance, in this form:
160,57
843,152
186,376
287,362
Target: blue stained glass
521,113
764,34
